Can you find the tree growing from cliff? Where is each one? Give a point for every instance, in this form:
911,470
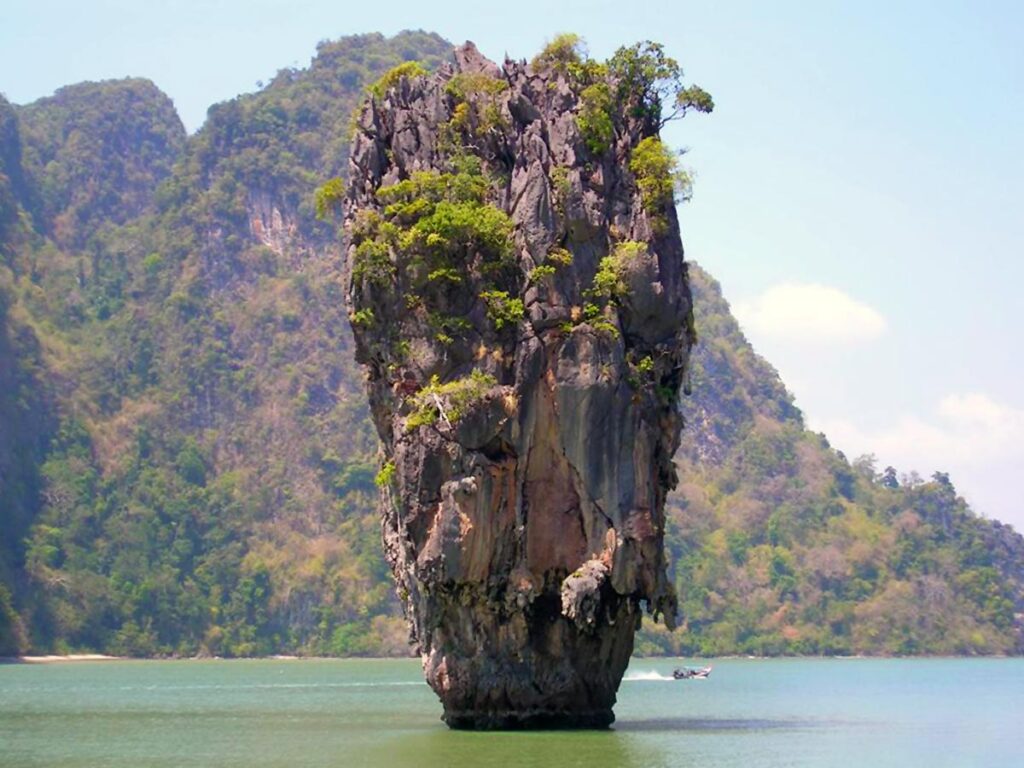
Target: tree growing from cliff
647,80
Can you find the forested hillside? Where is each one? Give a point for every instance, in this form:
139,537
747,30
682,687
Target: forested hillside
186,461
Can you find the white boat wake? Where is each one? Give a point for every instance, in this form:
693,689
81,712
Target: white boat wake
646,676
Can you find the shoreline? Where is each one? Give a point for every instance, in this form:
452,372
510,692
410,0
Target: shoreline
85,657
56,658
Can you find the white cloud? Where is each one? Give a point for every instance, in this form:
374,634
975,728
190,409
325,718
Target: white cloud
967,429
976,410
809,313
978,440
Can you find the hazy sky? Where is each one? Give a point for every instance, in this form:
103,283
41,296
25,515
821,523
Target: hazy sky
860,185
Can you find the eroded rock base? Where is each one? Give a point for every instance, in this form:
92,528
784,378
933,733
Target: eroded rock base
540,719
543,671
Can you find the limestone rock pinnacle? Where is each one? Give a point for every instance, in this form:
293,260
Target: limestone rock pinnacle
520,304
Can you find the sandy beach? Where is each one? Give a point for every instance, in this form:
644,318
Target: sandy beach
52,659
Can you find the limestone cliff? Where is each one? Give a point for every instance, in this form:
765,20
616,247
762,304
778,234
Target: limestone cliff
520,303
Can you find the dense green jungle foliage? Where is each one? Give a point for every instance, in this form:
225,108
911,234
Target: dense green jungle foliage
186,460
94,152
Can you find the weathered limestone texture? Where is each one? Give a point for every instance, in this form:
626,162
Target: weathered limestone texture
527,447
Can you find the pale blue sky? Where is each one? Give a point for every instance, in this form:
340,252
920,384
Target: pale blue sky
873,148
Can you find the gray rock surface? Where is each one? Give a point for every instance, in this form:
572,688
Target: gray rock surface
524,524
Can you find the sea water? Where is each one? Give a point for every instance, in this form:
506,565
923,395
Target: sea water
750,713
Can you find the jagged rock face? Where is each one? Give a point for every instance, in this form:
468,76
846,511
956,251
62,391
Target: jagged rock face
527,448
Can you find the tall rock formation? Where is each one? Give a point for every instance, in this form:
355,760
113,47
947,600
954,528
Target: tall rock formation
520,303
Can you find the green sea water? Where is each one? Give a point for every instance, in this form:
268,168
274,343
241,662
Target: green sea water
750,713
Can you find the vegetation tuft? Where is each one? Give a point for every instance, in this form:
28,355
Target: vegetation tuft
449,401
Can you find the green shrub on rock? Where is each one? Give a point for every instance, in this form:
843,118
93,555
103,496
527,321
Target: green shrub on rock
502,309
434,225
391,78
449,401
609,280
327,198
565,51
386,475
594,119
658,177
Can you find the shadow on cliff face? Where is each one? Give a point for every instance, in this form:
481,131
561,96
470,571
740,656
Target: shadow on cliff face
27,423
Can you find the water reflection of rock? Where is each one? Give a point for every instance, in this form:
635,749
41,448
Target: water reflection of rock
444,749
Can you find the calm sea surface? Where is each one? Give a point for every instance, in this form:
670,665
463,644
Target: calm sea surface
858,712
